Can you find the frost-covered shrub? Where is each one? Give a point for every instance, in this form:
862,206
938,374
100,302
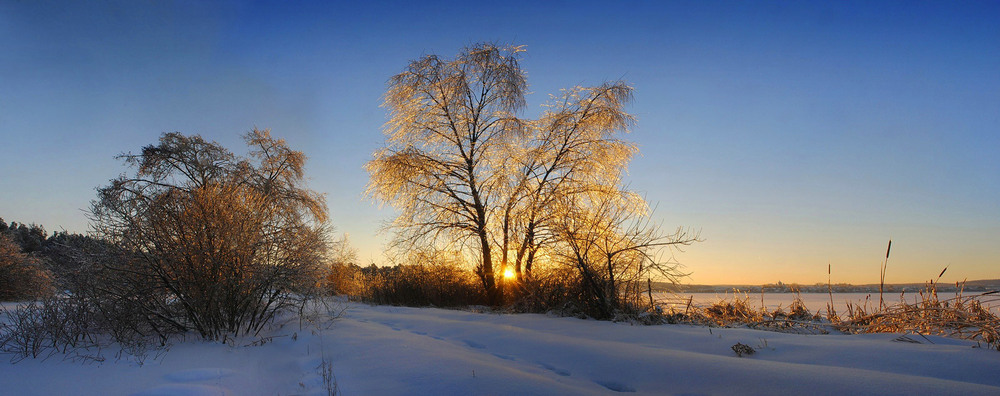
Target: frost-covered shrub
420,285
343,280
89,313
215,243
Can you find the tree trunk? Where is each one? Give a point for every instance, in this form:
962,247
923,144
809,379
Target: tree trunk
493,294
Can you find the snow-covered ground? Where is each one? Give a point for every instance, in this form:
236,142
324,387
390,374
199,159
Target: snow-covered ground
379,350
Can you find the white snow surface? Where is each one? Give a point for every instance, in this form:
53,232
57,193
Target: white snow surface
381,350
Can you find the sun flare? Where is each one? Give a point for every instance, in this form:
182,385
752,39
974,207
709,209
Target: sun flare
508,273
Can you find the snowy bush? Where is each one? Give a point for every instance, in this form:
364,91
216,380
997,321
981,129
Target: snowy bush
197,239
214,243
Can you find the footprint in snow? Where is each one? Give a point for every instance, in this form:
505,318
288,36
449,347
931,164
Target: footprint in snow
474,344
185,390
390,325
504,357
554,369
307,364
201,374
616,386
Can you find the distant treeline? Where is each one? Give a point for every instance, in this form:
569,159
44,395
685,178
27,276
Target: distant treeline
32,238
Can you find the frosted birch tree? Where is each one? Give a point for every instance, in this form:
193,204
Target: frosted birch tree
449,121
466,171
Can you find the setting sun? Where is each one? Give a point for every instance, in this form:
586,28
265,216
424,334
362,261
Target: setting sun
508,273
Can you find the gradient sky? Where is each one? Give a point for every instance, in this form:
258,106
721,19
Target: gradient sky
793,134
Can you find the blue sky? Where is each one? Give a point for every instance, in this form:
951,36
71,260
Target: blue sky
793,134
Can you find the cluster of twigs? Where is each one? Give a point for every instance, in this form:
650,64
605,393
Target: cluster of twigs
739,311
70,327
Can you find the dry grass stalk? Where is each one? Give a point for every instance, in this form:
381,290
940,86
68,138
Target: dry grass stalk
881,282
